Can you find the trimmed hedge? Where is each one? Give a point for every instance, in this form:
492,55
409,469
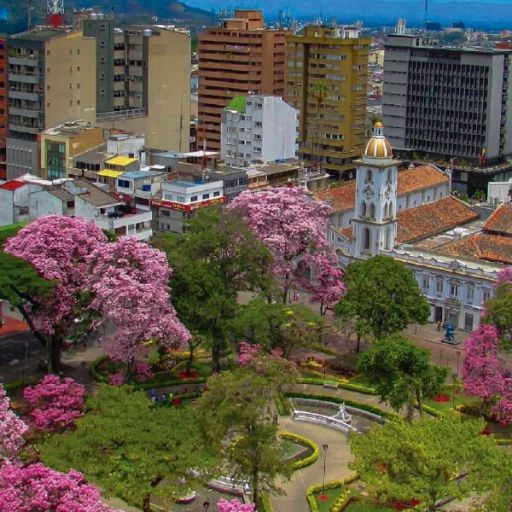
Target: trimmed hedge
283,407
350,403
303,441
266,503
358,388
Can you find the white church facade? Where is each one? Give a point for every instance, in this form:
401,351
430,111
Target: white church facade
410,216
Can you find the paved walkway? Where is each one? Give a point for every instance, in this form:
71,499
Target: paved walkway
337,458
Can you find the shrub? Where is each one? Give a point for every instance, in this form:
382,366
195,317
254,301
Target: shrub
303,441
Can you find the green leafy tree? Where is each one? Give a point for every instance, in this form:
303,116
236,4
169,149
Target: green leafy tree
498,312
238,418
422,460
382,297
402,373
217,257
276,325
132,448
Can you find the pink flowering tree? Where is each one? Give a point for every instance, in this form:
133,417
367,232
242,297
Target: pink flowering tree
234,506
502,411
55,403
37,488
12,428
294,228
130,292
248,351
482,372
57,247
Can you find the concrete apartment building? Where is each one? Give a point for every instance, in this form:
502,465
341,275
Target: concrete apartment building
3,108
52,79
258,128
134,79
447,102
326,80
238,57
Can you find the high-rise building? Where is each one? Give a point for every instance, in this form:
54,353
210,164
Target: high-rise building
3,108
238,57
134,79
52,79
447,102
258,128
326,80
151,85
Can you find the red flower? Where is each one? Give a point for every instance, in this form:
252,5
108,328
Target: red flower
441,398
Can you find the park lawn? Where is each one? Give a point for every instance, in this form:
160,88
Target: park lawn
460,399
364,506
291,449
325,506
361,380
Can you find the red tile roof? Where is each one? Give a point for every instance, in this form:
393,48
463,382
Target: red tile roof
342,198
432,219
12,185
500,222
481,246
427,220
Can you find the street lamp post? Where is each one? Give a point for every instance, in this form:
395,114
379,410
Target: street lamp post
323,497
458,359
454,380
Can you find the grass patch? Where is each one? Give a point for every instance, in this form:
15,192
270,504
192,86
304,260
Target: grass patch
364,506
290,449
332,494
460,399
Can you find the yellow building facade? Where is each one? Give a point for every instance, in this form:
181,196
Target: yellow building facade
326,80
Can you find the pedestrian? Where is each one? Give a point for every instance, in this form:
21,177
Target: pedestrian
439,324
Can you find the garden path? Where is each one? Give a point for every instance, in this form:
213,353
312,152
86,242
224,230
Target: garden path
337,459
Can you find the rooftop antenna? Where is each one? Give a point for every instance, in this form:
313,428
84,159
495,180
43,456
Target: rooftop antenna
29,20
55,12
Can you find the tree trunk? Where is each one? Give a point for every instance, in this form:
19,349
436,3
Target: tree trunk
146,503
255,485
53,350
358,343
215,356
410,410
285,295
420,405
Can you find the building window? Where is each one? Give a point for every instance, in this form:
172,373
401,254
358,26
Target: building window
180,199
165,213
425,282
368,175
439,287
216,194
470,293
193,199
55,160
454,290
363,209
367,240
486,294
123,183
206,196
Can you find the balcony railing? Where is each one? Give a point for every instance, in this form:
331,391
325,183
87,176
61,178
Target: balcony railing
122,114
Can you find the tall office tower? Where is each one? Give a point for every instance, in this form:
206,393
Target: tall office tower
52,79
3,108
238,57
447,102
326,80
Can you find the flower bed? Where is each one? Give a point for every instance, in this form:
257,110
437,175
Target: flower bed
441,398
342,498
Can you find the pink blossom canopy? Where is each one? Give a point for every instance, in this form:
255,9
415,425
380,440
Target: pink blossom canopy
12,428
57,247
37,488
235,506
294,228
55,403
129,281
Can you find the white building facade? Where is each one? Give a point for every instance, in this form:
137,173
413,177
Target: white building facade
258,128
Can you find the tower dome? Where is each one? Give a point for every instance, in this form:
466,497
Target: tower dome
378,146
